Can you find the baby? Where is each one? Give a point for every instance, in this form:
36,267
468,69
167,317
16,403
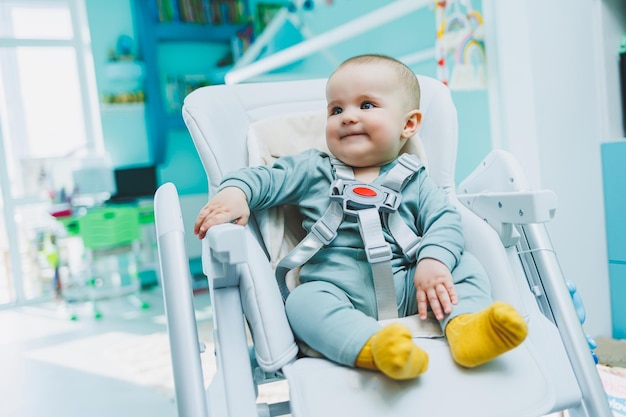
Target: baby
373,109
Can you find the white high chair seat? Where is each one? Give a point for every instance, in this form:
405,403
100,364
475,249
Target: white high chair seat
549,372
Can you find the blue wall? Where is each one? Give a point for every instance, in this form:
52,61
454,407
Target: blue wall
125,130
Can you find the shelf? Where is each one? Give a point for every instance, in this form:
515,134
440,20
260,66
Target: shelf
194,32
121,107
151,34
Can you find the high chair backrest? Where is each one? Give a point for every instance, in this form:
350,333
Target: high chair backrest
235,108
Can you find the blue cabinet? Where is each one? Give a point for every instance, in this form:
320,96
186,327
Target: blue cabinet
152,34
617,273
614,179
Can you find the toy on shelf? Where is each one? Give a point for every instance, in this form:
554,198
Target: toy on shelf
124,74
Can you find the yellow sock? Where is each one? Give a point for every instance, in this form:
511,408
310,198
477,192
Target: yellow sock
477,338
365,359
392,351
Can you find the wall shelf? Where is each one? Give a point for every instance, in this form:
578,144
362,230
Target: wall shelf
151,34
194,32
121,107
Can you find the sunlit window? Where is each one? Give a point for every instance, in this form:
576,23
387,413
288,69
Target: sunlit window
30,20
46,106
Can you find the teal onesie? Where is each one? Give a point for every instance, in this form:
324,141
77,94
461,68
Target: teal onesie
334,310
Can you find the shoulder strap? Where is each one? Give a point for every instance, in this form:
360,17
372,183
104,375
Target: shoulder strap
397,177
342,171
322,233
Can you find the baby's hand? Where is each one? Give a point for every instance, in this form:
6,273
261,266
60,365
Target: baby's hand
228,205
434,285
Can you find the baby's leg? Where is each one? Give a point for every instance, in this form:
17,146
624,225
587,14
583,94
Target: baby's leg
480,330
323,316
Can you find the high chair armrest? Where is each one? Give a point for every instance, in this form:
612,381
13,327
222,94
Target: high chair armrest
227,249
519,207
236,259
227,242
502,210
498,192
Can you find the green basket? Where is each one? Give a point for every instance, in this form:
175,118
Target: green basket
145,213
109,227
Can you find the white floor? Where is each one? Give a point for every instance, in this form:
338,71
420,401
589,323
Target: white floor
117,365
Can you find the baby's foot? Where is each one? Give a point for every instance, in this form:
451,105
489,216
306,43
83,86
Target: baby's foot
479,337
392,351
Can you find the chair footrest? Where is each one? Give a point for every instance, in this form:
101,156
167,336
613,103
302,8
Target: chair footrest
319,387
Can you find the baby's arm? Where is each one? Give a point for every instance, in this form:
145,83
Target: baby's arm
228,205
434,285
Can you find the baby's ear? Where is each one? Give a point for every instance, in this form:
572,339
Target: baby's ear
412,123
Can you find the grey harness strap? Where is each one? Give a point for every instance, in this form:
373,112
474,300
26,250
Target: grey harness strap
367,203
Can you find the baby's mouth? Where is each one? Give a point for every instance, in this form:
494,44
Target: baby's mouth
352,134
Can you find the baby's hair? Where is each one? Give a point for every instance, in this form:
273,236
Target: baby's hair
405,75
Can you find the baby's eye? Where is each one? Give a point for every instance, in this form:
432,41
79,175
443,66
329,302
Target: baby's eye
335,111
367,105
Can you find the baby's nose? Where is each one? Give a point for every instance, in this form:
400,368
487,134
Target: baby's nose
349,116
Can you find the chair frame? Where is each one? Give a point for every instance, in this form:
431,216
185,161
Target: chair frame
229,252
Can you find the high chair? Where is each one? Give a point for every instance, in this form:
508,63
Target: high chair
234,126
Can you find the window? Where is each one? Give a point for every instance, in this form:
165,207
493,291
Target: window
46,81
48,112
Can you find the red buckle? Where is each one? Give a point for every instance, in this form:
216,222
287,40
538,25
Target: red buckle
365,191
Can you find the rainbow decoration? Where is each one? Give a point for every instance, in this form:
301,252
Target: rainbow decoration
471,51
455,23
460,49
475,18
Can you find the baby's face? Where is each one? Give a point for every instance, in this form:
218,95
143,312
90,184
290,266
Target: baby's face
367,114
